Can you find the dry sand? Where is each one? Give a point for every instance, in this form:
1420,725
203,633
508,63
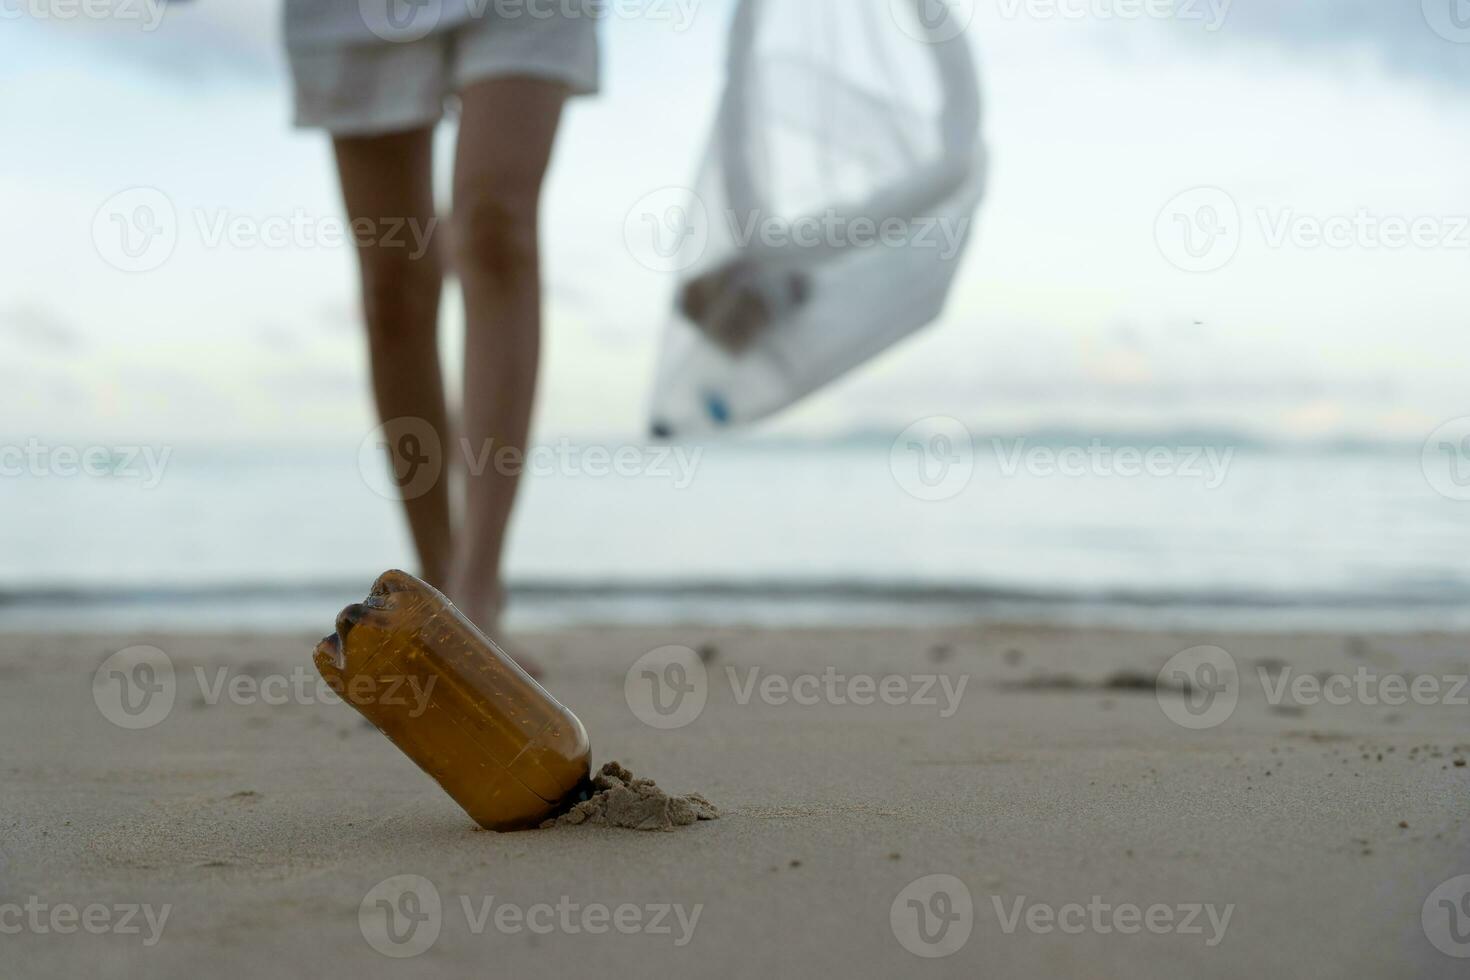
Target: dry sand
264,826
618,798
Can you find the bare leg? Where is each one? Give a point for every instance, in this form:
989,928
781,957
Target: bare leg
388,180
507,129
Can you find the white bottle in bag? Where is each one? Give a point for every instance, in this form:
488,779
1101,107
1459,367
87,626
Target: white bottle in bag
838,199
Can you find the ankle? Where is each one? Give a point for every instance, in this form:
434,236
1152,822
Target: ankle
481,599
438,577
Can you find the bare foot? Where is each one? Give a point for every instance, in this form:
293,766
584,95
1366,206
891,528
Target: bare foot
483,607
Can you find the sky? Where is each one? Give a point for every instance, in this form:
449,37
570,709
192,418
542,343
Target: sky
1116,127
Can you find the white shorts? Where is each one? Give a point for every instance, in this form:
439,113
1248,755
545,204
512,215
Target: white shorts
361,88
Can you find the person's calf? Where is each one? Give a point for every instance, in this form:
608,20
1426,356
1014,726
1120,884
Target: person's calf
400,302
495,240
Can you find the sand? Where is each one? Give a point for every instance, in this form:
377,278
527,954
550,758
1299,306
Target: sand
621,799
276,834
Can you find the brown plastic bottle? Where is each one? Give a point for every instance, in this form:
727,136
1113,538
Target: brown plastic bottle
456,705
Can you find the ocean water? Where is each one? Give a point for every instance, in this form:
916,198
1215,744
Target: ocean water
862,530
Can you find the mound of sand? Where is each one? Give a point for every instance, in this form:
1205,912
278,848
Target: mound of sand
621,799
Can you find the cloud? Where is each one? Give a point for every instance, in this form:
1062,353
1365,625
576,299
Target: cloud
280,339
1398,32
200,39
196,40
38,330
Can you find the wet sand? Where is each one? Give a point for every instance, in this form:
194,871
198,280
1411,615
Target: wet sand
1053,778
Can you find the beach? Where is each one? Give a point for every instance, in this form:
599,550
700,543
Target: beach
1037,768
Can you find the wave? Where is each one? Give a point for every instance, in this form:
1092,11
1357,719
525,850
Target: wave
1418,592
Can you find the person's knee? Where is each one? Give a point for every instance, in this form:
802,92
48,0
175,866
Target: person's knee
495,234
400,297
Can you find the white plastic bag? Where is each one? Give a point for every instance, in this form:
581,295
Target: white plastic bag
837,195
